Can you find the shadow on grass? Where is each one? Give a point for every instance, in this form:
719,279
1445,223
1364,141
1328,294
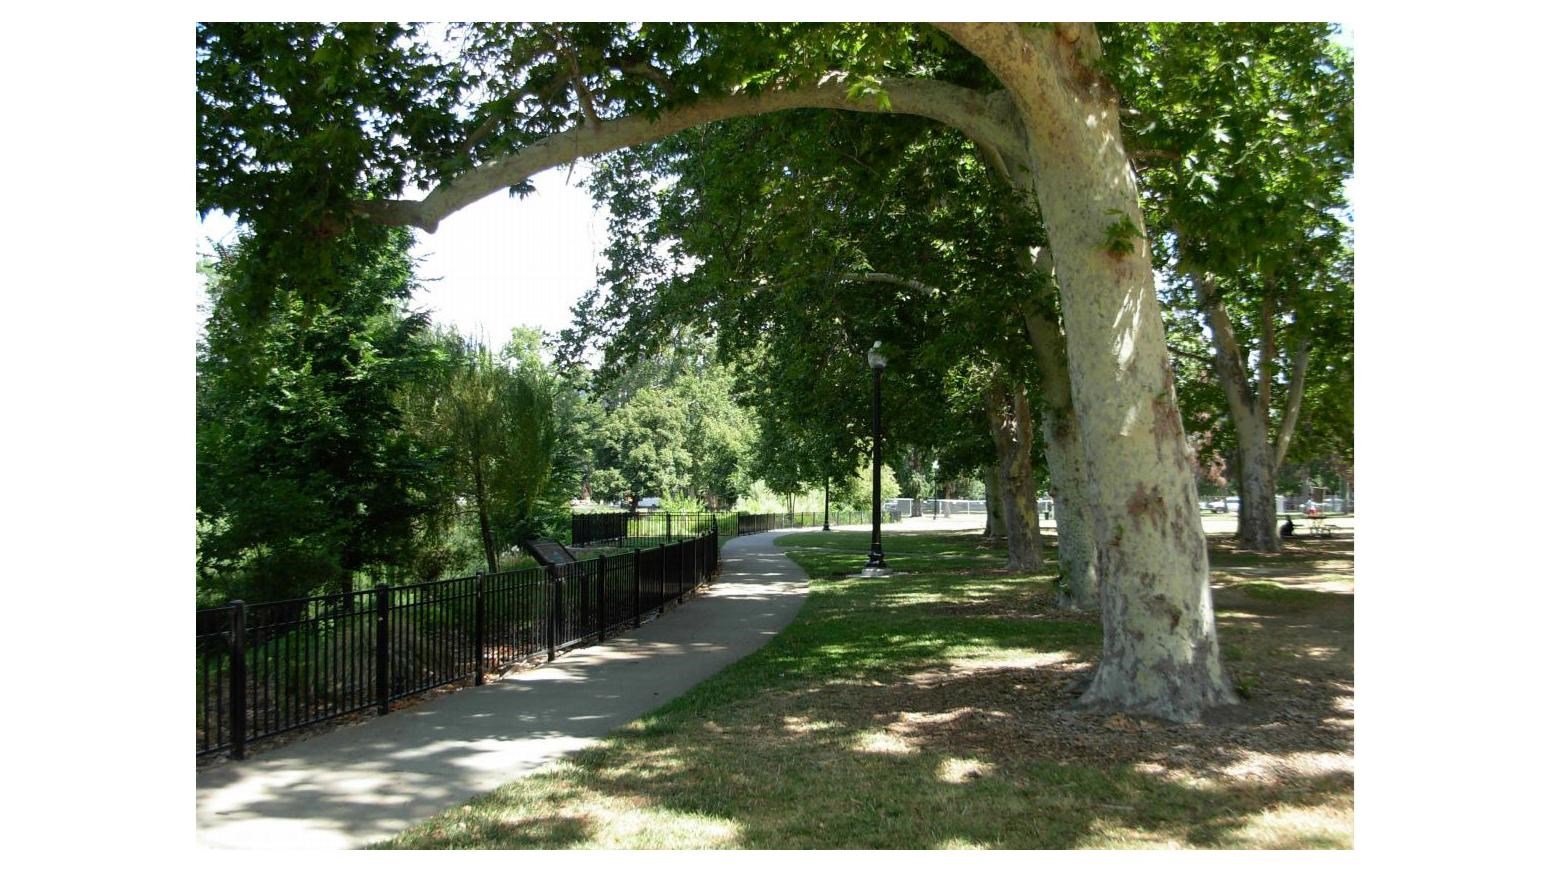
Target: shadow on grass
934,710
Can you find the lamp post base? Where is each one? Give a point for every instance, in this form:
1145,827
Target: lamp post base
876,565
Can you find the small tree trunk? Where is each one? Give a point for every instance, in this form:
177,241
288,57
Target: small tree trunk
994,522
1011,421
483,517
1079,586
1256,525
1078,583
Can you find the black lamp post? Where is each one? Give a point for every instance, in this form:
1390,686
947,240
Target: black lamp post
935,487
825,526
876,564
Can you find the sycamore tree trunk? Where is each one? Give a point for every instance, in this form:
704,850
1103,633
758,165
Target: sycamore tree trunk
1160,653
1013,477
1255,524
1011,420
994,520
1259,451
1079,587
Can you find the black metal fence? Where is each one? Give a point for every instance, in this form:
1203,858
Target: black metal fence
622,529
271,668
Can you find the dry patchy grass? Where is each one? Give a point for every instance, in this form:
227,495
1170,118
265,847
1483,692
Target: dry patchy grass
933,710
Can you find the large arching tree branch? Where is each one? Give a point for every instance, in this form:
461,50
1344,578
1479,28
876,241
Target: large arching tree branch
984,117
887,278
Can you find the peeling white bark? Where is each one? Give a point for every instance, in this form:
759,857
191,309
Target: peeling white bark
1160,654
1079,585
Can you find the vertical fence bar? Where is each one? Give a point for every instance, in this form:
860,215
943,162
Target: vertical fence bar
584,617
601,596
478,629
238,654
557,583
637,609
383,613
660,579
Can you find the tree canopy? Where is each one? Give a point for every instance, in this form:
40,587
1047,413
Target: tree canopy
992,226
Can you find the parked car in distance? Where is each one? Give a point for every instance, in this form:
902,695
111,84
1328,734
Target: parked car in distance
1229,503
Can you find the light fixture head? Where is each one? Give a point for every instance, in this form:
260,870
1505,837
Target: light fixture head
875,357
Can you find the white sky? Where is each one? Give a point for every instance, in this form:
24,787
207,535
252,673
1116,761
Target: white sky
502,262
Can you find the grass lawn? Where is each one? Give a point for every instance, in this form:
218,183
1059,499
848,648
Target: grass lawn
931,709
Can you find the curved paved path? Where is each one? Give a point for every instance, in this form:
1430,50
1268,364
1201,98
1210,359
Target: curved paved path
361,783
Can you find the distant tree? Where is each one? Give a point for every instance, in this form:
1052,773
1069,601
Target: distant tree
306,475
1244,133
674,430
493,419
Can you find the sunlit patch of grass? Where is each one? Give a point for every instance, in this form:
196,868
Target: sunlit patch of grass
956,543
956,770
893,713
882,741
567,806
1279,593
1329,825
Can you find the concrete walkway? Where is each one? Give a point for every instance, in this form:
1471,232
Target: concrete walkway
365,782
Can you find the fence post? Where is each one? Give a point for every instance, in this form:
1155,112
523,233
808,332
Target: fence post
669,526
661,573
478,630
383,605
557,584
585,598
601,596
238,652
637,588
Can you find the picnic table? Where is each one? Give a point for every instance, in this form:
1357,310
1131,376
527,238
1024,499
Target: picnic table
1317,525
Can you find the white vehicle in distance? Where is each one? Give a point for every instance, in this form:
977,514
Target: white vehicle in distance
1229,503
